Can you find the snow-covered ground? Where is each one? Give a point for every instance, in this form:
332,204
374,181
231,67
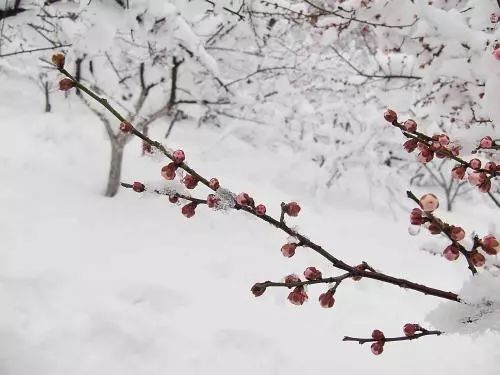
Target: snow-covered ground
92,285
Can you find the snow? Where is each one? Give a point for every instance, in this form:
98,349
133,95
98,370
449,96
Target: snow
128,285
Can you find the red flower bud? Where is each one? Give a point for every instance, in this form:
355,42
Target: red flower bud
409,329
490,166
410,145
188,210
66,84
360,267
298,296
486,142
477,258
288,250
451,253
378,335
425,156
485,186
496,54
477,178
243,199
444,139
429,202
212,200
260,210
458,172
410,126
258,290
292,279
173,198
168,171
189,181
326,300
416,217
213,184
377,348
292,209
390,116
490,245
126,127
138,187
311,273
457,233
178,156
58,60
475,164
434,228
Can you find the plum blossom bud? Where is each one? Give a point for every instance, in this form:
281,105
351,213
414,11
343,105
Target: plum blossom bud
425,156
243,199
359,267
188,210
258,290
477,258
475,164
212,200
138,187
326,300
298,296
496,54
422,146
455,150
178,156
490,245
126,127
213,184
490,166
436,146
168,171
292,209
288,250
312,273
416,217
477,178
486,142
410,126
58,60
146,148
378,335
66,84
434,228
260,210
443,139
493,18
293,278
451,252
377,347
410,145
429,202
458,172
457,233
189,181
485,187
173,198
409,329
390,116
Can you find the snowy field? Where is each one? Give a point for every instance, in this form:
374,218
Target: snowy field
93,285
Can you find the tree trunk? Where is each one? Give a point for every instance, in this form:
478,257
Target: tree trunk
115,168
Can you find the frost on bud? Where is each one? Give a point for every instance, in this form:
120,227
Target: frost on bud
485,186
378,335
243,199
288,250
490,245
457,233
496,54
477,258
475,164
58,60
451,253
416,217
486,142
490,166
377,348
290,279
298,296
477,178
425,156
326,300
410,126
212,200
173,198
126,127
258,290
410,145
138,187
292,209
260,210
66,84
213,184
409,329
178,156
189,181
429,202
188,210
359,267
390,116
168,171
458,172
312,273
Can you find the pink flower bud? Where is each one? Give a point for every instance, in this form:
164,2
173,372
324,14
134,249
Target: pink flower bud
429,202
168,171
326,300
298,296
311,273
436,146
260,210
443,139
189,181
490,166
258,290
425,156
486,142
457,233
288,250
410,126
390,116
409,329
359,267
378,335
138,187
146,148
477,258
188,210
485,187
455,150
475,164
173,198
58,60
126,127
477,178
422,146
458,172
493,18
213,184
178,156
377,348
212,200
292,209
490,245
410,145
451,252
416,216
66,84
434,228
293,278
496,54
